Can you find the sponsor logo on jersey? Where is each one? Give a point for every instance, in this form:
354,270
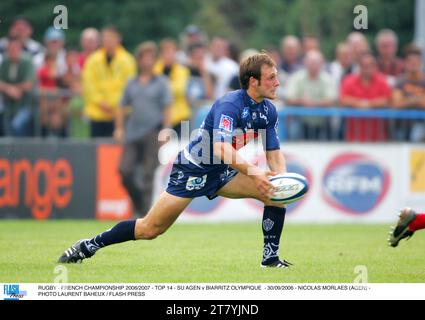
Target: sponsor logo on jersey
226,123
196,183
245,113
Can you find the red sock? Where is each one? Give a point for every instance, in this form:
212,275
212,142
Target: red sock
418,223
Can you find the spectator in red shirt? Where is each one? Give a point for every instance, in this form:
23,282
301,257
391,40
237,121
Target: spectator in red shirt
366,90
52,105
47,77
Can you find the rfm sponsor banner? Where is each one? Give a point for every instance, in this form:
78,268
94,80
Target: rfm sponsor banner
69,180
348,183
210,291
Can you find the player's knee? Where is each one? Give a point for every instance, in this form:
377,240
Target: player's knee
148,231
153,232
149,235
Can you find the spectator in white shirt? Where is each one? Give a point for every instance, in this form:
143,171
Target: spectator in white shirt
311,87
221,67
343,65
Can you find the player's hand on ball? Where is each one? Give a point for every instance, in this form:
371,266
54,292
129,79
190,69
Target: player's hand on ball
263,184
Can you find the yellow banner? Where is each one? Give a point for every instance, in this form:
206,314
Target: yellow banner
417,170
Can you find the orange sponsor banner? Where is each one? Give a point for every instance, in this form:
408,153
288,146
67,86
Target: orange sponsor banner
45,185
112,200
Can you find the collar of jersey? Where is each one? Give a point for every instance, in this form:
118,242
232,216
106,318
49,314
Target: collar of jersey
251,102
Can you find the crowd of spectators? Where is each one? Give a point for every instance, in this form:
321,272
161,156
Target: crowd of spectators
46,87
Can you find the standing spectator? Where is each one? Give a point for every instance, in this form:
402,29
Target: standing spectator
54,41
104,76
21,29
291,62
409,92
220,66
310,87
149,98
310,43
388,63
366,90
46,75
358,46
192,35
89,42
274,53
391,66
17,77
291,55
200,85
52,106
178,76
339,69
343,65
77,126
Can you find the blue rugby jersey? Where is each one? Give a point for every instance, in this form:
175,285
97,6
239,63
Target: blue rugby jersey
234,118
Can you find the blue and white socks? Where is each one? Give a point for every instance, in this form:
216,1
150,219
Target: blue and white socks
121,232
273,220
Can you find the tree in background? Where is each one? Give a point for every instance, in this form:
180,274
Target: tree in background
137,20
253,23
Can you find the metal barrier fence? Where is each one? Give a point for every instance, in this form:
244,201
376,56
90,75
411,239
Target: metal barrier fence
296,123
401,125
42,113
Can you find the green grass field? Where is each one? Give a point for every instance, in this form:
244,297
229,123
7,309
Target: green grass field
210,253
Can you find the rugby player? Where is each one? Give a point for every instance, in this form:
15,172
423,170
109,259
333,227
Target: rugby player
211,166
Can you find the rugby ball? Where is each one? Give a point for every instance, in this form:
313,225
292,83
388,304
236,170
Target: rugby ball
289,187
